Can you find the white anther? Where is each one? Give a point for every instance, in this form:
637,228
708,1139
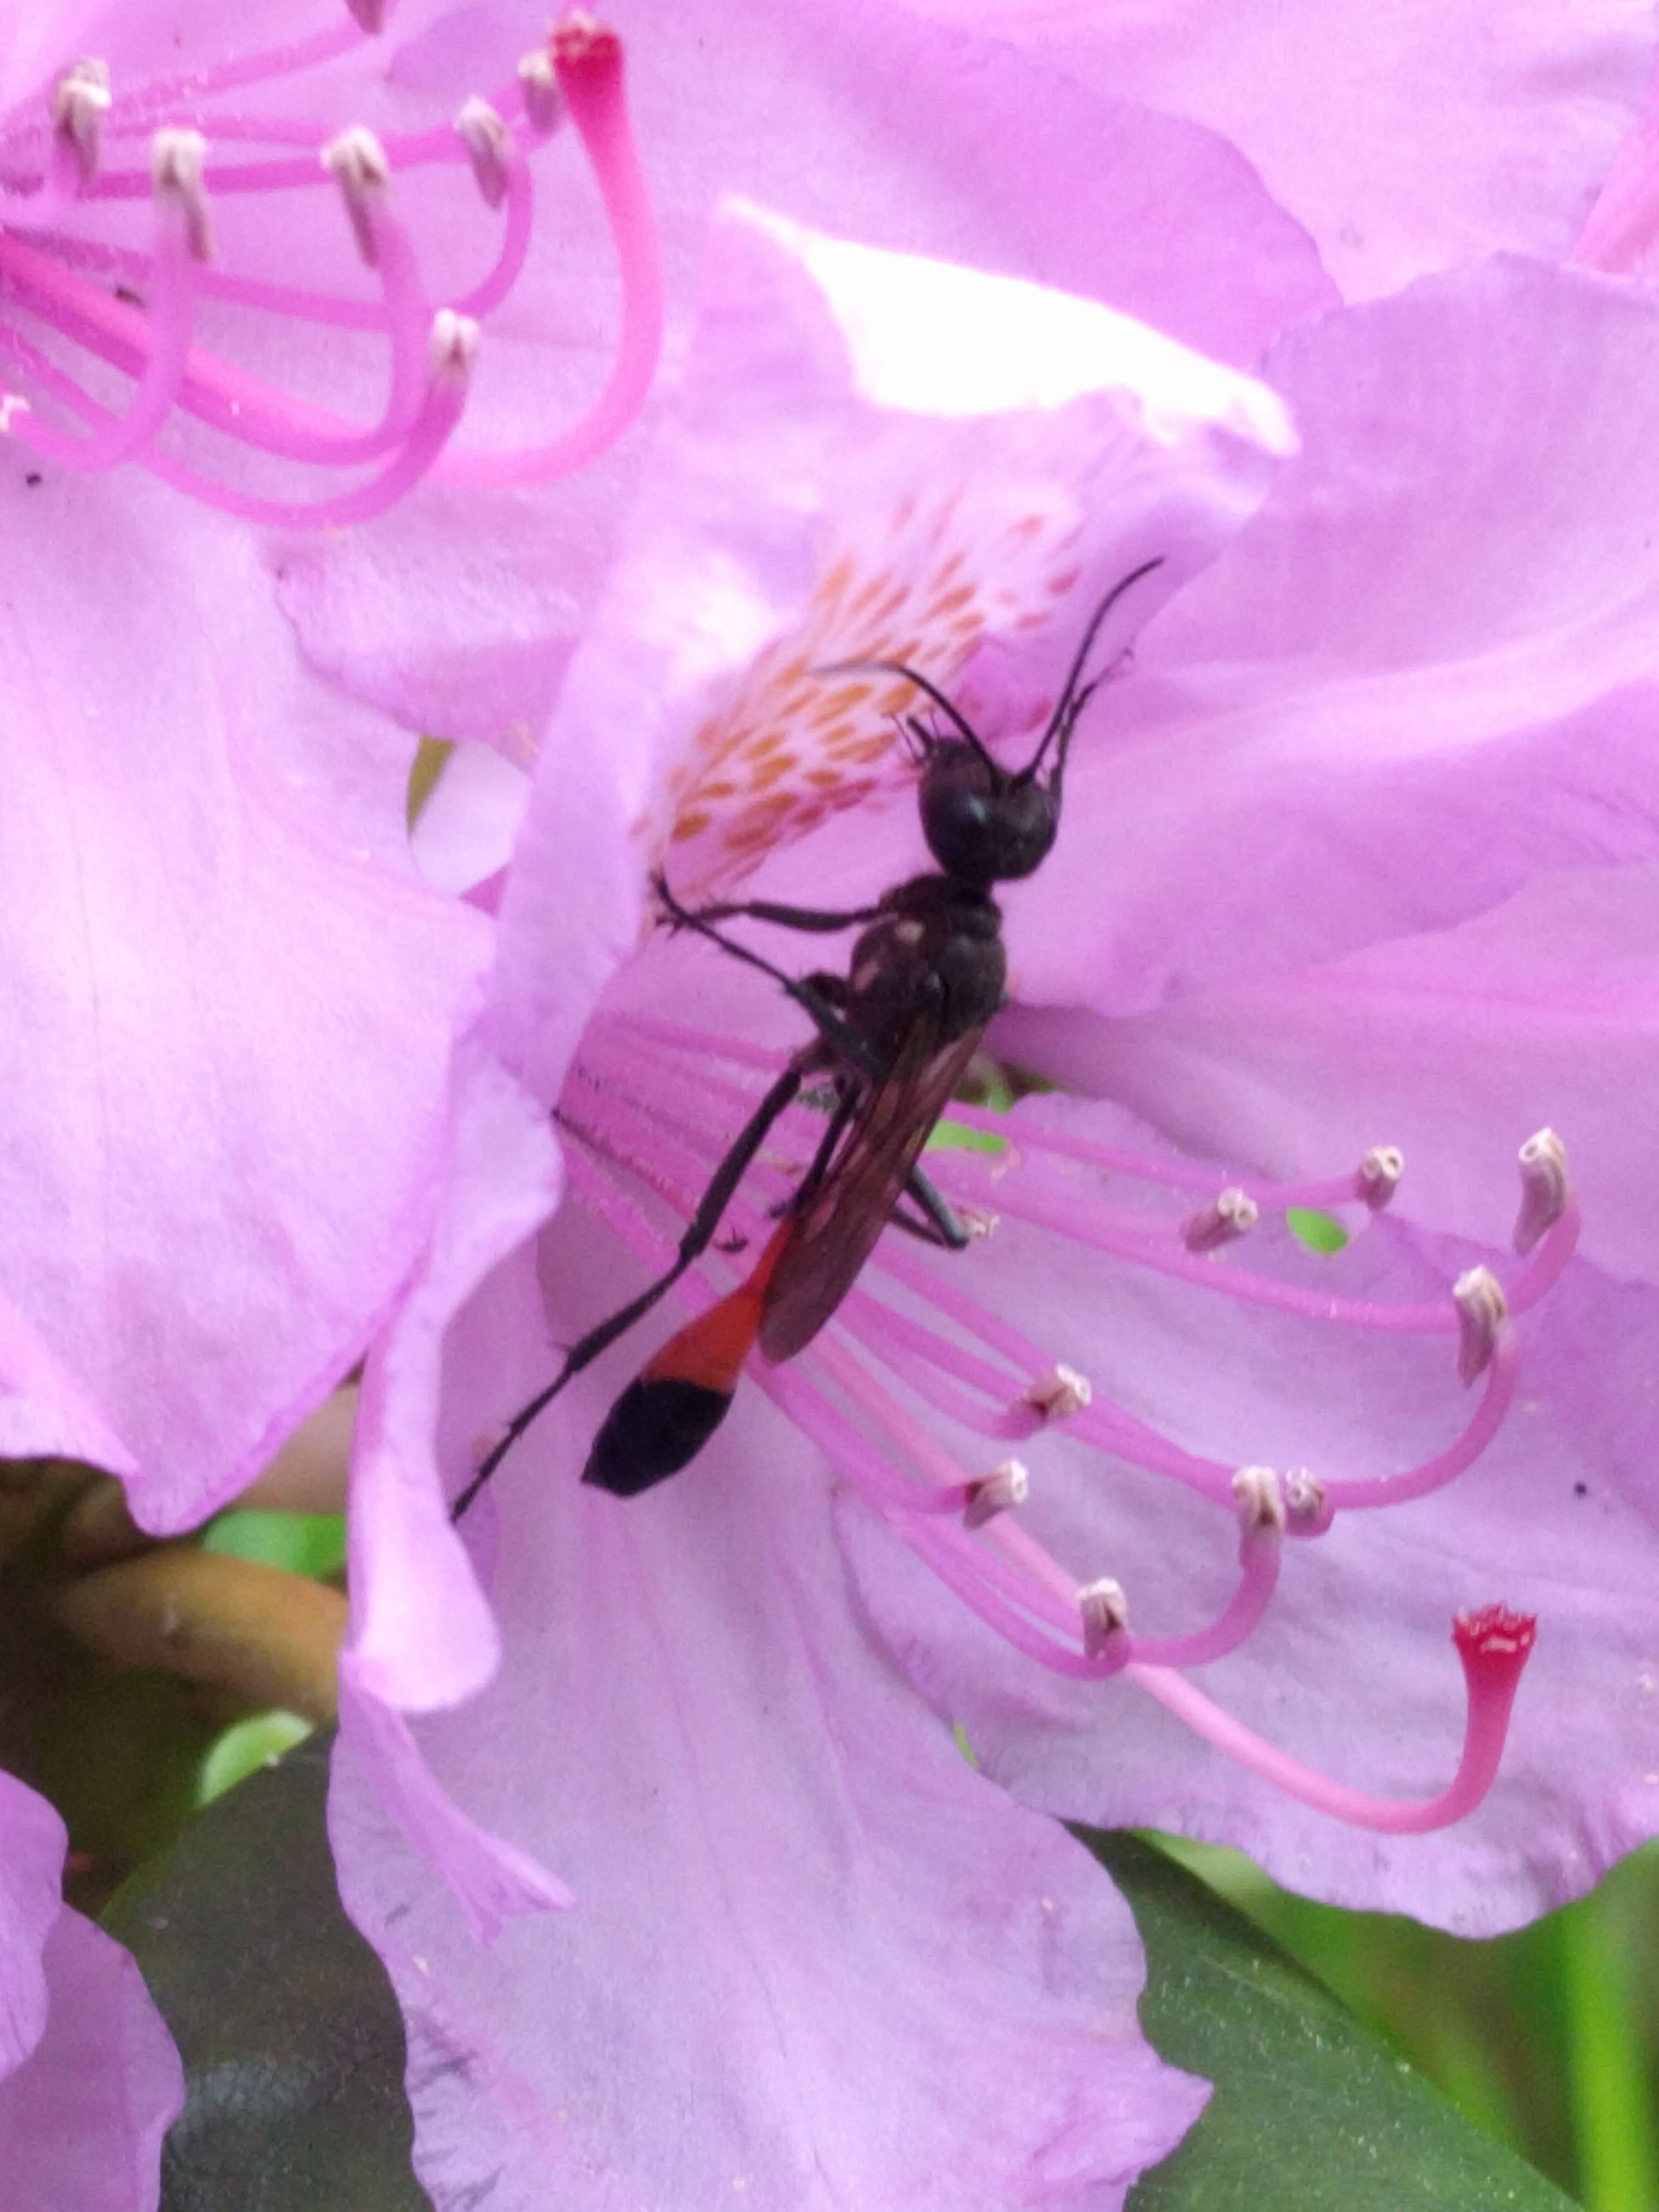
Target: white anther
1261,1502
977,1221
489,143
177,159
1228,1216
80,102
544,103
1483,1312
1307,1511
357,162
452,345
368,15
1378,1174
1006,1486
1105,1613
1059,1394
1545,1188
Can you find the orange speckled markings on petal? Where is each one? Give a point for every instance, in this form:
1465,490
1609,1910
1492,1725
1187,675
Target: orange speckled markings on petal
790,748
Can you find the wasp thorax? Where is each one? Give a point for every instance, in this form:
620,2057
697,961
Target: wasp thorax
981,826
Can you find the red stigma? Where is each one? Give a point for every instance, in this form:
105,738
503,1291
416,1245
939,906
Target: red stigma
576,41
1495,1635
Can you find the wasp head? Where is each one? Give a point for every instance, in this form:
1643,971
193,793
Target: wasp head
982,825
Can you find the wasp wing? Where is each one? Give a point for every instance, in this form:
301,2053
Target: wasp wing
837,1225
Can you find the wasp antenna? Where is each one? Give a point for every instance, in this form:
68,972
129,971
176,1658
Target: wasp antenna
965,728
1076,695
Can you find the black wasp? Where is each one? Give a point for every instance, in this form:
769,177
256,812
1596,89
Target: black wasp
894,1038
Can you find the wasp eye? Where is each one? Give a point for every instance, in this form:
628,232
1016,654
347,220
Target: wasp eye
981,826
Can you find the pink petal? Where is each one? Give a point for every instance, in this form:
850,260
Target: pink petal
217,946
1425,670
422,1634
1453,1045
89,2080
1406,137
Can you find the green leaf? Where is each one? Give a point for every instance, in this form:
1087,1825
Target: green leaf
1310,2109
291,2037
303,1543
244,1747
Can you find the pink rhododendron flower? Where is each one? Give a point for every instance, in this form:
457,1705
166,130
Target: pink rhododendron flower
89,2080
690,1691
811,1953
1406,137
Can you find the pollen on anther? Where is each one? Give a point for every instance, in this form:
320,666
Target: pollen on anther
1378,1175
538,83
452,344
177,159
80,102
1307,1507
489,144
1546,1189
1059,1394
357,162
1260,1500
1483,1313
1231,1214
1105,1613
1006,1486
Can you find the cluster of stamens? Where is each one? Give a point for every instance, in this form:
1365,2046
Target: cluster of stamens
913,1323
69,295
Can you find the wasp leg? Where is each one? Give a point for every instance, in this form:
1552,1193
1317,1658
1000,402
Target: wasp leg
699,1235
846,1106
784,917
806,994
935,1220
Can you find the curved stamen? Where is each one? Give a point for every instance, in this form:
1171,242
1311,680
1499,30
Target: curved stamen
451,351
180,239
588,63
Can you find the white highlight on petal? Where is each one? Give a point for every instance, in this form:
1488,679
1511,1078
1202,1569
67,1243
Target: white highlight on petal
1378,1175
1483,1313
1105,1611
1059,1394
934,339
357,162
1546,1189
1261,1502
1006,1486
1229,1216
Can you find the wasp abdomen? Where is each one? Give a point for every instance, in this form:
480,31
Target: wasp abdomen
656,1427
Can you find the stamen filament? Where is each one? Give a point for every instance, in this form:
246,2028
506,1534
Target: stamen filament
123,437
1491,1675
589,66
